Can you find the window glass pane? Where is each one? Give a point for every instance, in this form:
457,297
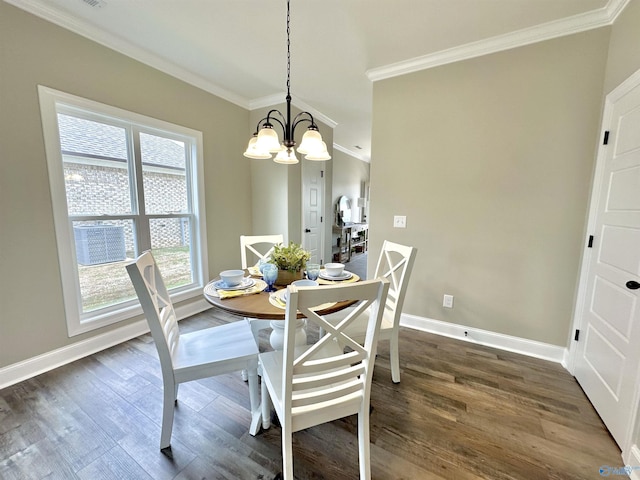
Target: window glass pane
164,175
96,171
171,247
103,248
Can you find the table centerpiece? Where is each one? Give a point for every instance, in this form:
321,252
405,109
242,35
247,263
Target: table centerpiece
291,261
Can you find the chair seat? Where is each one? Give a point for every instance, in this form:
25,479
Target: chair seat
233,346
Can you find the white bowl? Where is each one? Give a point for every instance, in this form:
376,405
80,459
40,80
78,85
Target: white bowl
305,283
334,269
231,278
300,283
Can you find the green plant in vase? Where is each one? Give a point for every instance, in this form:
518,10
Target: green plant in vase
291,261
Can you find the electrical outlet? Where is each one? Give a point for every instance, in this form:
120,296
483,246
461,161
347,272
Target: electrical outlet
399,221
447,301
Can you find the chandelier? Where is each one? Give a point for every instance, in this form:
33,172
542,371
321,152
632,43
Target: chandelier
265,141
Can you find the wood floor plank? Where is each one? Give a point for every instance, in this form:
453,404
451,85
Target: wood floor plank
115,464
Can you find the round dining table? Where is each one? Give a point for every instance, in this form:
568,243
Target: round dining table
261,306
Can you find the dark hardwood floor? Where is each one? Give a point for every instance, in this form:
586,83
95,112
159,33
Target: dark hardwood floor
461,412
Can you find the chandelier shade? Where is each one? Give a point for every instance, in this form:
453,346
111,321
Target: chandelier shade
319,155
311,142
268,140
286,156
265,140
253,152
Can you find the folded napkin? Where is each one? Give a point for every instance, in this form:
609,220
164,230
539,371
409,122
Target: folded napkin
257,288
276,300
254,271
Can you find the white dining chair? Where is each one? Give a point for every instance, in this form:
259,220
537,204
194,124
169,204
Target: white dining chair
256,248
190,356
315,384
395,263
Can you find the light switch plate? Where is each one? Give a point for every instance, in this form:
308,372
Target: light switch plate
399,221
447,301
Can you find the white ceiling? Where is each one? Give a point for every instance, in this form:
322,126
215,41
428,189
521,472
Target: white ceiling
237,48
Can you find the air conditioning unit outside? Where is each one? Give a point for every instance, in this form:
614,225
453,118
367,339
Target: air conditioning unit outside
98,244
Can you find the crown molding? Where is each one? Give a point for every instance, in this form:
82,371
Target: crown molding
351,153
278,98
557,28
120,45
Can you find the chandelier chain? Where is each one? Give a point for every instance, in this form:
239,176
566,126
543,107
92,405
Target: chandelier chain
288,51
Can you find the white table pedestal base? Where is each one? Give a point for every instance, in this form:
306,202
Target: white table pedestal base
277,334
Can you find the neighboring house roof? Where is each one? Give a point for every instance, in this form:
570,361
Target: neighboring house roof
87,138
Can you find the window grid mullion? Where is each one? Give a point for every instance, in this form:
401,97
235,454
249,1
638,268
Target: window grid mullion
143,229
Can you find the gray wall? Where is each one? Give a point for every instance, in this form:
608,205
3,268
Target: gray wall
32,52
491,160
624,47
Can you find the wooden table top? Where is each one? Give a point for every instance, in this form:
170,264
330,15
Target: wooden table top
257,305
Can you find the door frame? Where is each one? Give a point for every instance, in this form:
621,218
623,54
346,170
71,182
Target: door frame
630,451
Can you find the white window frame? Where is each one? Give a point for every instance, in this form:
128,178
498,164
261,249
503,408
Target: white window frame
77,322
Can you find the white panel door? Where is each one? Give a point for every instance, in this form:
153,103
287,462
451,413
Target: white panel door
313,211
608,351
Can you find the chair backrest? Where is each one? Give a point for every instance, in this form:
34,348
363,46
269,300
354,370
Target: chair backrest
157,307
324,383
248,243
395,263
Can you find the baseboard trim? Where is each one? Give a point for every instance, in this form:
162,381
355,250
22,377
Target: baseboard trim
45,362
487,338
31,367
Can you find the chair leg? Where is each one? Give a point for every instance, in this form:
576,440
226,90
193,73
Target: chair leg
364,449
168,406
266,406
394,358
254,400
287,452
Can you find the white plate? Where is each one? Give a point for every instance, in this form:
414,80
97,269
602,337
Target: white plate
282,295
246,283
344,276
